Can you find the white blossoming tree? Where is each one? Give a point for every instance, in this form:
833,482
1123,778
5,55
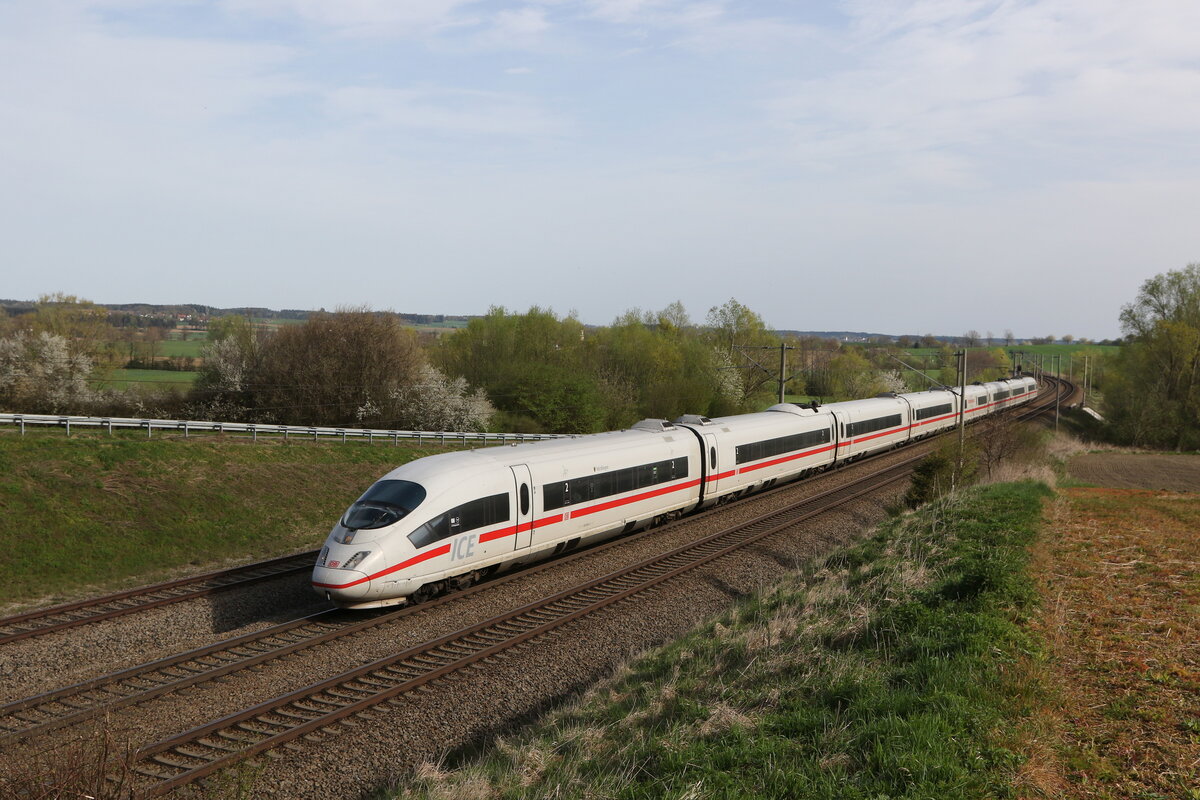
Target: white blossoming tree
39,373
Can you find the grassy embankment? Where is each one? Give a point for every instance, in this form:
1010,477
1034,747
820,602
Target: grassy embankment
895,668
96,511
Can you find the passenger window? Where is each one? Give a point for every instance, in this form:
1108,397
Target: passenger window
524,499
430,532
712,458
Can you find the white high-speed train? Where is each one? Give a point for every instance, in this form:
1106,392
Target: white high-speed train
449,520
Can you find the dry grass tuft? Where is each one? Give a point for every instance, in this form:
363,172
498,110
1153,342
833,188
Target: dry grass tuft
722,718
93,766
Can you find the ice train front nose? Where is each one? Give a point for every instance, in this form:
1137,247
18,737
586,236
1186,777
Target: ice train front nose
342,586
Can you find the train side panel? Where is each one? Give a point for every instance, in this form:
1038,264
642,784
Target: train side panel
755,451
932,411
868,426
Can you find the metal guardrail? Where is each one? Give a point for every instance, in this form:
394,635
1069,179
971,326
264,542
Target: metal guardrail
254,429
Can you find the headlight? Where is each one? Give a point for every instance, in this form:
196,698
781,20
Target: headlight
324,555
355,559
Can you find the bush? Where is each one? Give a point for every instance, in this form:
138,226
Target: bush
938,473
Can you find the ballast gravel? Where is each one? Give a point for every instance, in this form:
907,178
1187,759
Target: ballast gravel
349,759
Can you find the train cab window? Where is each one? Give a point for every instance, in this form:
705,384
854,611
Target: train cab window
386,502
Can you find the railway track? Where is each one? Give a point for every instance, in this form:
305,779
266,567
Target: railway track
82,701
182,759
179,760
57,618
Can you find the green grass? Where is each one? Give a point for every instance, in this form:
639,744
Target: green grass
886,671
95,510
177,347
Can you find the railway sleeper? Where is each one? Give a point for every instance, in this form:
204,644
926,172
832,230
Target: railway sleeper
191,753
318,711
291,716
173,763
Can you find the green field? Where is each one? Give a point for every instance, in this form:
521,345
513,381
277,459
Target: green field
177,347
97,511
148,379
1078,350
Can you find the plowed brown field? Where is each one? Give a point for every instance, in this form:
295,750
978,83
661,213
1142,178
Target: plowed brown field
1177,473
1120,581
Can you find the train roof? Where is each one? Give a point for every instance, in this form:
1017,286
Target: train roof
436,471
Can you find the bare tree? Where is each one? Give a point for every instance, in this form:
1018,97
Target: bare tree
1008,337
971,338
1000,437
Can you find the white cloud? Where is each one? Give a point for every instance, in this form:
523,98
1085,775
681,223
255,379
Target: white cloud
457,112
702,25
980,80
359,17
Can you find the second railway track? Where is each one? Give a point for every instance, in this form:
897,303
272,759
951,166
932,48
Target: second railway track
211,746
201,751
69,615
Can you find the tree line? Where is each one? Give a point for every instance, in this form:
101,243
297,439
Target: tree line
1152,389
532,371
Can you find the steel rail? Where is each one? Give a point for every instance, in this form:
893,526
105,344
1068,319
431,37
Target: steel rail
207,748
84,700
56,618
79,702
242,735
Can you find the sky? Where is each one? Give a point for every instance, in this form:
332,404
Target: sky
885,166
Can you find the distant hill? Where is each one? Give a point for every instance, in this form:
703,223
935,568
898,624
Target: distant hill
845,336
198,311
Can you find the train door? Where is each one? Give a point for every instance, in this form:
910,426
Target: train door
711,458
524,495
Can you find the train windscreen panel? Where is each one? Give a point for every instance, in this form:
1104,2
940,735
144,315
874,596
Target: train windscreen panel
933,411
767,448
871,425
617,481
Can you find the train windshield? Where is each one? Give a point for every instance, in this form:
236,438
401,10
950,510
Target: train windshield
384,503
